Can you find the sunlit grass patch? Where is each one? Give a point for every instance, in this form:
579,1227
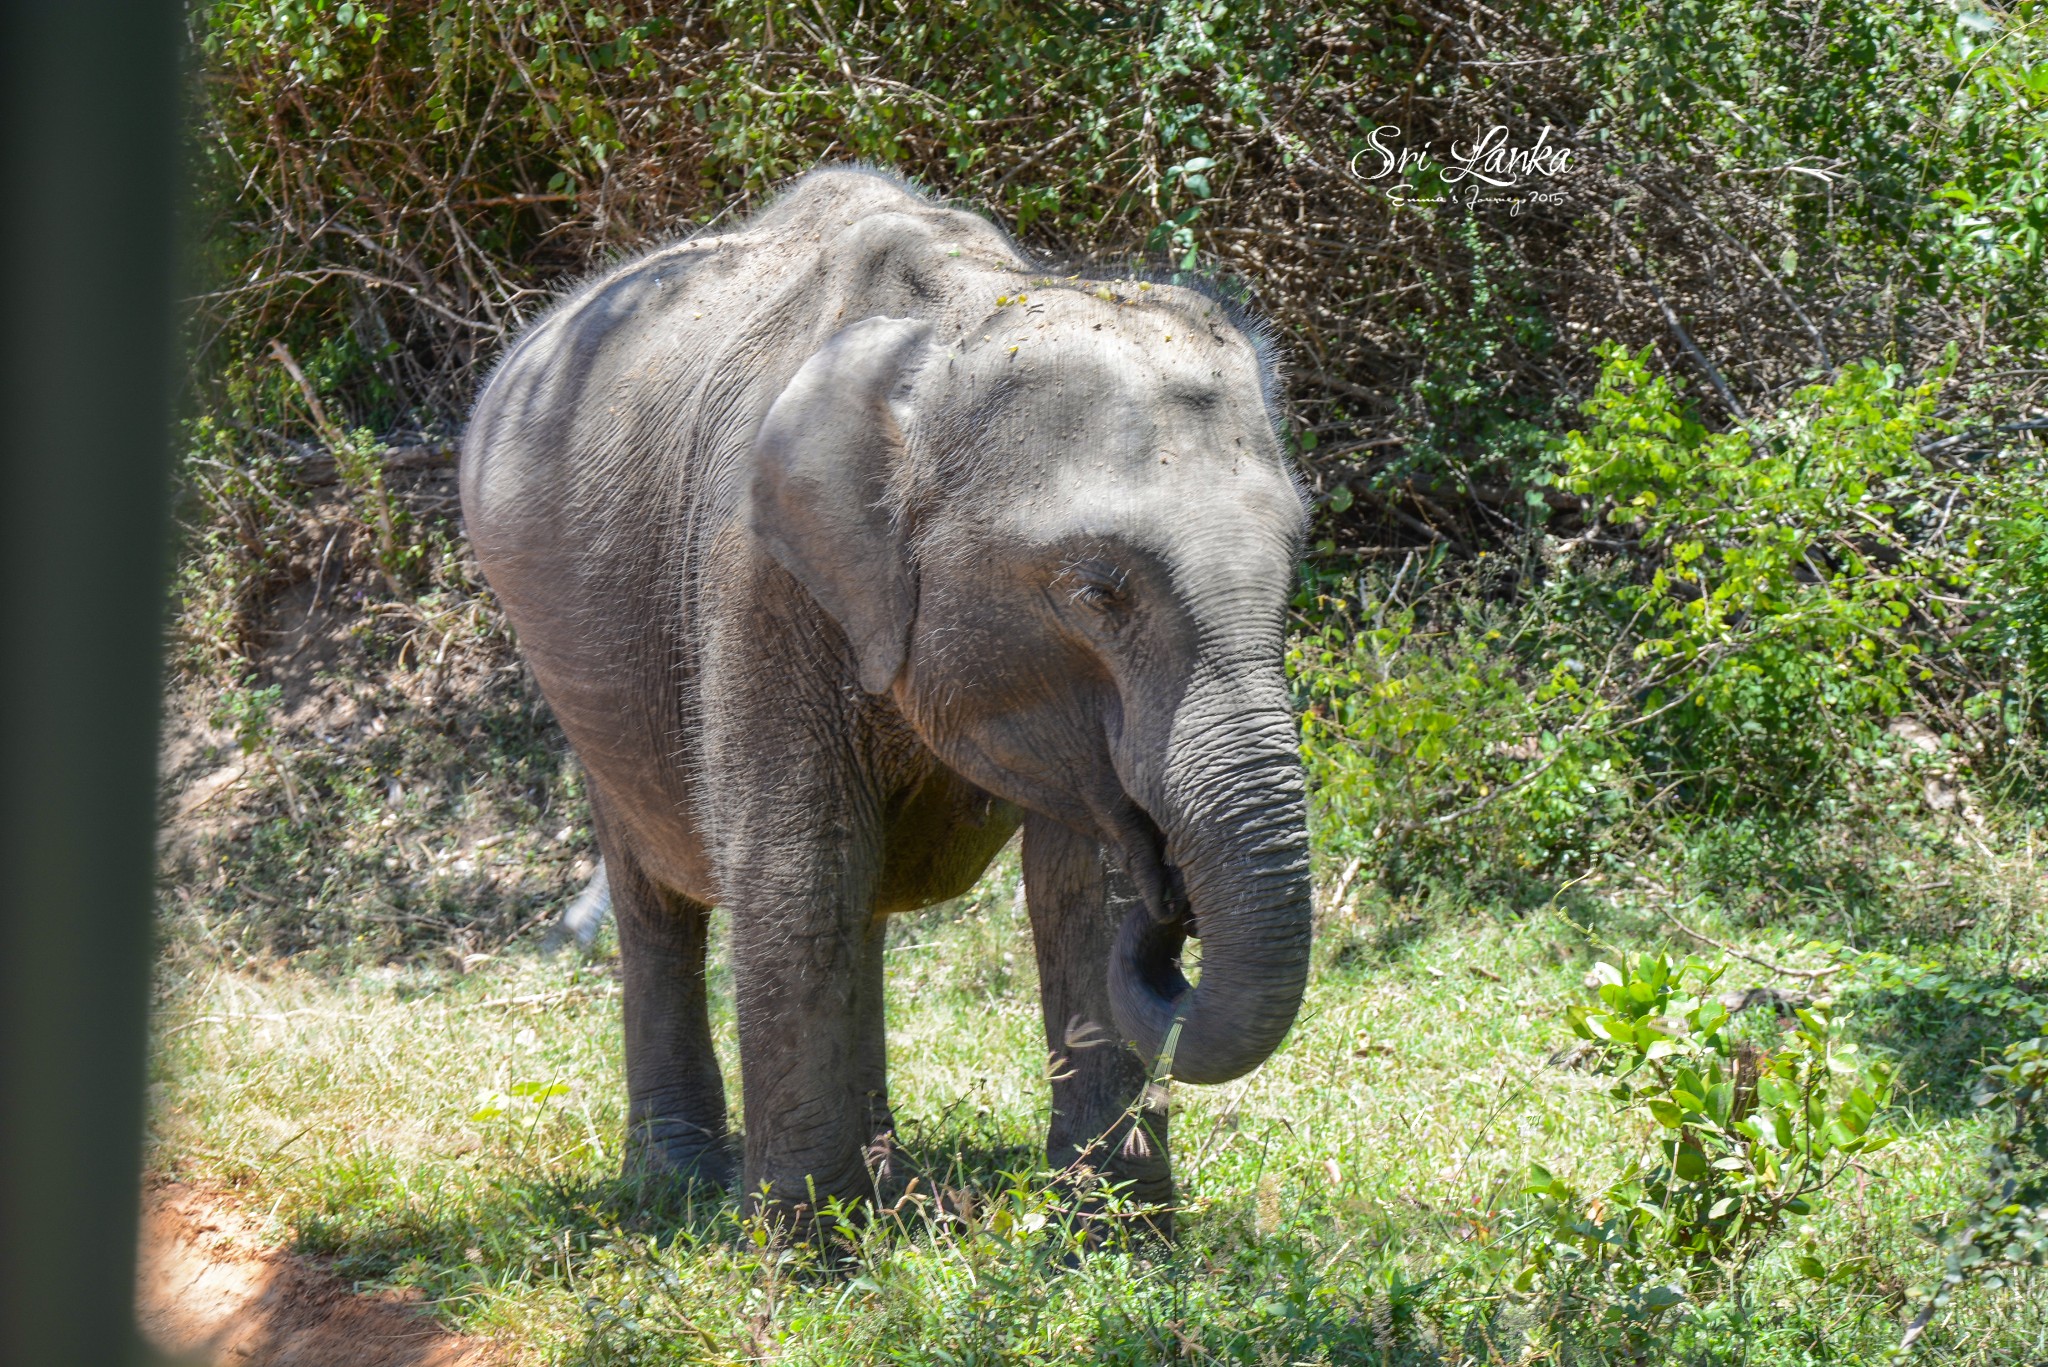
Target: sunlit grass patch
1355,1200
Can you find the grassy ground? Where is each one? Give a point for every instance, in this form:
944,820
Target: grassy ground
456,1130
369,820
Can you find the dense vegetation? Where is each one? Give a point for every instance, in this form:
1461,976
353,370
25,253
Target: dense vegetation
1679,586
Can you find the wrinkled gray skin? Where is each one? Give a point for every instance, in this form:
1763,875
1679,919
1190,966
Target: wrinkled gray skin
835,570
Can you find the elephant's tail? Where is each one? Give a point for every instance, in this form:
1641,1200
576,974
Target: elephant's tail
582,917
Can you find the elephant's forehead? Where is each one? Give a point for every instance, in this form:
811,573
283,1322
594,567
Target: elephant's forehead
1210,489
1196,490
1235,525
1097,406
1075,349
1162,369
1141,424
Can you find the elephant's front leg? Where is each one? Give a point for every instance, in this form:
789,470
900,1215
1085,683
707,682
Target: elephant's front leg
878,1120
807,978
1100,1115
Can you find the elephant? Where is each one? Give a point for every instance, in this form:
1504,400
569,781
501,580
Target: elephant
843,543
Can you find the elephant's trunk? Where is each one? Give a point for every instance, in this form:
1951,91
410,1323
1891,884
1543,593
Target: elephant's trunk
1234,869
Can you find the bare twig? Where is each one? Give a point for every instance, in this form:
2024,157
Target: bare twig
1730,950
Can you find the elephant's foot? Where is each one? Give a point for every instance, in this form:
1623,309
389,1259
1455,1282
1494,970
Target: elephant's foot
1120,1180
680,1152
889,1168
1109,1206
808,1206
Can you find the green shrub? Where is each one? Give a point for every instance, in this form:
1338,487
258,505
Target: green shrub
2003,1229
2008,1227
1734,632
1446,734
1774,581
1748,1135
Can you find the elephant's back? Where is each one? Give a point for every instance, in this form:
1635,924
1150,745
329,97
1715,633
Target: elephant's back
580,418
604,469
630,401
583,468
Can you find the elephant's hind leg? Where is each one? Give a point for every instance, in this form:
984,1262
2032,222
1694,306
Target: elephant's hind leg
1100,1119
675,1116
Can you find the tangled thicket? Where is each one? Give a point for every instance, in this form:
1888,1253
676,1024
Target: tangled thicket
1760,193
1761,204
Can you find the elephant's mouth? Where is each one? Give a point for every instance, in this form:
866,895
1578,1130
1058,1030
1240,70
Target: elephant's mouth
1159,882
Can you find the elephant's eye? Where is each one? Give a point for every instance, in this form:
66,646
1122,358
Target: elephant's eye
1095,584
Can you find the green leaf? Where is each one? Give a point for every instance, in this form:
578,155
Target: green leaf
1721,1102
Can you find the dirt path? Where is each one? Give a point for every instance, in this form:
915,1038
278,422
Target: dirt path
209,1291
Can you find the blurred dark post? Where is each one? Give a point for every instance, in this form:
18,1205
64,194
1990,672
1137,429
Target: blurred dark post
90,93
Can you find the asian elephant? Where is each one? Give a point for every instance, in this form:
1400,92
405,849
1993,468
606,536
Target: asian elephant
846,541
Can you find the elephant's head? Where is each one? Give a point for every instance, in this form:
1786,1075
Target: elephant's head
1061,537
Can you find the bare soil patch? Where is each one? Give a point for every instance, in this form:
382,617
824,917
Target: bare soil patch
209,1291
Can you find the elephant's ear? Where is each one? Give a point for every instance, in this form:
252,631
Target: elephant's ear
818,502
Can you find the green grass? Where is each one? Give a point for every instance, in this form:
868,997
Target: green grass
1348,1202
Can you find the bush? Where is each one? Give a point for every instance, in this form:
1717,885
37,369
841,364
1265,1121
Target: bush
1449,733
1743,618
395,189
1749,1135
1774,580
